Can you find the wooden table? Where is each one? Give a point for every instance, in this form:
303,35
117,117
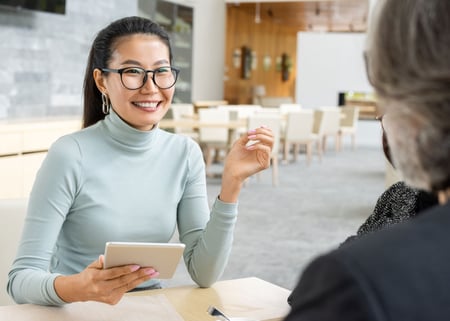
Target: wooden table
247,297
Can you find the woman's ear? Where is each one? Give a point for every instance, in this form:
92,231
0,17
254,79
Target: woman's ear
99,80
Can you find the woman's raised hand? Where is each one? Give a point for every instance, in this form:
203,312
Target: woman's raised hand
249,154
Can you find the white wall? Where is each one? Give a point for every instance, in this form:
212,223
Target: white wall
328,63
209,48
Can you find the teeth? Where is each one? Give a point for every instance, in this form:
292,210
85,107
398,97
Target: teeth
146,105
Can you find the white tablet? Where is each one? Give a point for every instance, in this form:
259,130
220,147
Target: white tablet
163,257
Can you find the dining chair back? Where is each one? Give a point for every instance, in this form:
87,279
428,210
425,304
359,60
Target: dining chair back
183,111
272,121
326,123
213,139
268,111
299,131
242,111
287,108
348,124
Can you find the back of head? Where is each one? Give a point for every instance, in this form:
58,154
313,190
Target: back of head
101,52
409,66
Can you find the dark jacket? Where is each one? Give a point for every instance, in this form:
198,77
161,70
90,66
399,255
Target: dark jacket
399,273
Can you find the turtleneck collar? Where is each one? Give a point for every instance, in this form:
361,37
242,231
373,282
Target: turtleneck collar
126,135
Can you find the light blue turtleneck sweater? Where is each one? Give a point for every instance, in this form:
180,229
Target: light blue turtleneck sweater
111,182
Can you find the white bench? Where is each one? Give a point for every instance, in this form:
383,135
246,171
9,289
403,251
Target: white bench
12,215
23,146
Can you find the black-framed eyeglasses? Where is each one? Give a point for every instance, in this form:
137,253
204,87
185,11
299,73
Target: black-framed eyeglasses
380,119
367,66
135,77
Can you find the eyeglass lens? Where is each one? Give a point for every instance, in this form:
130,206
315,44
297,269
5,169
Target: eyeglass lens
135,78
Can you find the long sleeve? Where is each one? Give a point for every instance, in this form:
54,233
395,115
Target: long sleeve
207,247
53,192
111,182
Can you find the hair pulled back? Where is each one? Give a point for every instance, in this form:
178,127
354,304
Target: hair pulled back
100,54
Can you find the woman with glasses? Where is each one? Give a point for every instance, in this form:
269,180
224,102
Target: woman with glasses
401,272
121,178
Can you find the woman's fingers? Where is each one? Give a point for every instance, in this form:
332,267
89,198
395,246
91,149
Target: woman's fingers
132,275
117,272
131,281
261,135
110,285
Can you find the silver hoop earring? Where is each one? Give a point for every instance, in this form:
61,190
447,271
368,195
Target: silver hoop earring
105,104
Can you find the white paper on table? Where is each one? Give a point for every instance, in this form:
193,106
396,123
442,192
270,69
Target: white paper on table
130,308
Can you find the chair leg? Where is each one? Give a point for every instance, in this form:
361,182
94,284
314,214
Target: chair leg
275,171
353,141
339,143
286,152
319,149
308,152
296,151
209,159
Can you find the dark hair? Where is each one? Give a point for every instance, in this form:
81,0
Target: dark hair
101,52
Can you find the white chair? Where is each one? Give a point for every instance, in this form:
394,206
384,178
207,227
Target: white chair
299,131
242,111
275,101
326,123
180,112
287,108
273,122
348,124
268,111
213,139
238,112
259,91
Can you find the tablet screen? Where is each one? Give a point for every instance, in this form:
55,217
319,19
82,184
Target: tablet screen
163,257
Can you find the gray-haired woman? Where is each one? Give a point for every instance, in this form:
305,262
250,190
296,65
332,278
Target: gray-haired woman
400,273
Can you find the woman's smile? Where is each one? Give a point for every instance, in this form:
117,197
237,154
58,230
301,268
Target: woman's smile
147,105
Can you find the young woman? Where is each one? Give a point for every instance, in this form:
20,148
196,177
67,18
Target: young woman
123,179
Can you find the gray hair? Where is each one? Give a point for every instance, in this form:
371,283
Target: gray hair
408,62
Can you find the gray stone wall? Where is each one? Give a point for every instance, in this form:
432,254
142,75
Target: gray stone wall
43,56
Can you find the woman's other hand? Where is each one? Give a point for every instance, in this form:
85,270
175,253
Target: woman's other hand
103,285
249,155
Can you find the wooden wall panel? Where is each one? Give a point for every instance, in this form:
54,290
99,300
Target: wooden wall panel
265,39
